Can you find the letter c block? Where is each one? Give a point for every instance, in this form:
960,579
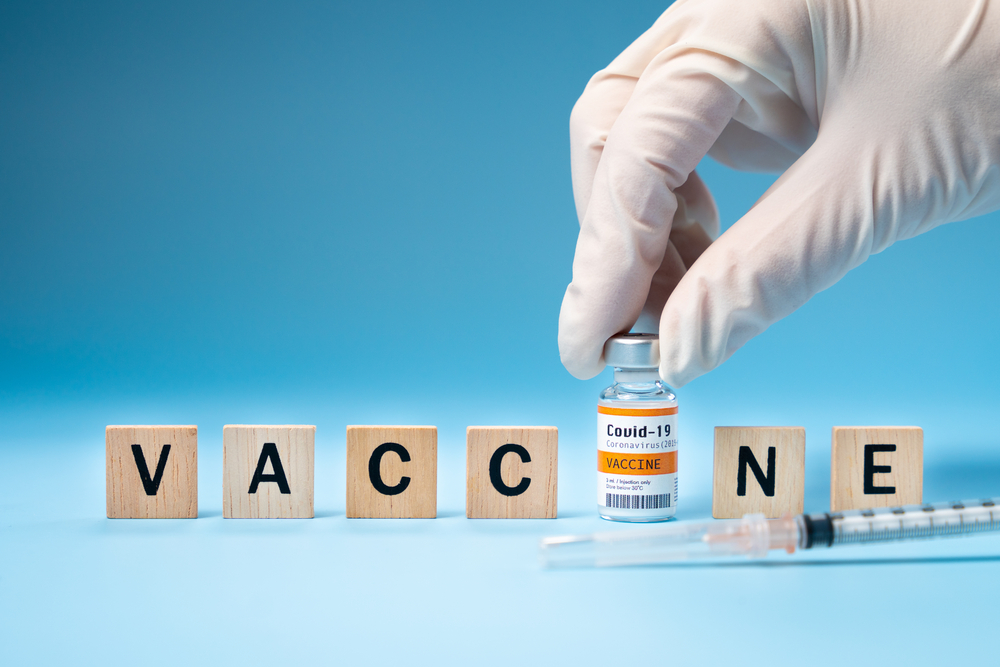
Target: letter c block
391,472
511,472
876,466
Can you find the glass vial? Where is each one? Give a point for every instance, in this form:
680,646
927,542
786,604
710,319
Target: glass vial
636,434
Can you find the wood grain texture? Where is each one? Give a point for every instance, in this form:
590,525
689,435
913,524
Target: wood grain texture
789,445
418,500
847,466
242,447
483,500
176,496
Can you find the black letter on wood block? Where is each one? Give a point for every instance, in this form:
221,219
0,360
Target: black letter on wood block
269,451
495,477
871,469
375,475
150,486
748,459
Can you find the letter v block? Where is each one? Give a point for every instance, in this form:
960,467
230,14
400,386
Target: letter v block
758,470
876,466
391,472
267,472
152,472
511,472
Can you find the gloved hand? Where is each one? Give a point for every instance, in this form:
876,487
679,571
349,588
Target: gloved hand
883,114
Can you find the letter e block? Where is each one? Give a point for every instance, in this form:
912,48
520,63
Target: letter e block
876,466
758,470
152,472
267,472
391,472
511,472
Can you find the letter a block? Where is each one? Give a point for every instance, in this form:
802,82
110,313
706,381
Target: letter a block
152,472
876,466
511,472
267,472
758,470
391,472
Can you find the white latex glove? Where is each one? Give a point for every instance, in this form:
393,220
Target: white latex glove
883,114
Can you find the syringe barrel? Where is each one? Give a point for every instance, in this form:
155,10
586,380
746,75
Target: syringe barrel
893,524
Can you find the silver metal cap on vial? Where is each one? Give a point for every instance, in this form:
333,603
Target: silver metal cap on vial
633,350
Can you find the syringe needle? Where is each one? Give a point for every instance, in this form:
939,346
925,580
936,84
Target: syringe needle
753,535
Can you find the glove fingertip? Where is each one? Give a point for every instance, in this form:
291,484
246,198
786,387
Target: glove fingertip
578,365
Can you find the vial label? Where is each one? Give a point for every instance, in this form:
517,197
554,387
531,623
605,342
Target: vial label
636,457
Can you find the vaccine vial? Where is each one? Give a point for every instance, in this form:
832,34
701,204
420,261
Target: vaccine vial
636,434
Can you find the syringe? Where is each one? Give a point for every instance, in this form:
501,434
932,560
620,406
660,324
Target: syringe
754,535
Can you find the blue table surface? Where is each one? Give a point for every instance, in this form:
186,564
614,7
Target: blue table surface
77,588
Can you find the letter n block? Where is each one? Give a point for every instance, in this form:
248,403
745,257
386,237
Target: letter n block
758,470
152,472
267,472
391,472
876,466
511,472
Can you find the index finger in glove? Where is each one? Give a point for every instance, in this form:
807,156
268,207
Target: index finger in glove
676,112
602,101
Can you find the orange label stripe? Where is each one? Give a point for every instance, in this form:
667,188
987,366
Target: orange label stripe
637,464
635,412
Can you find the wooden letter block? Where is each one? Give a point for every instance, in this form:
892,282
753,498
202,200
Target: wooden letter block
876,466
267,472
391,472
511,472
152,472
758,470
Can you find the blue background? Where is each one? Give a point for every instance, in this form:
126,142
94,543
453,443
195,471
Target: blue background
334,213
